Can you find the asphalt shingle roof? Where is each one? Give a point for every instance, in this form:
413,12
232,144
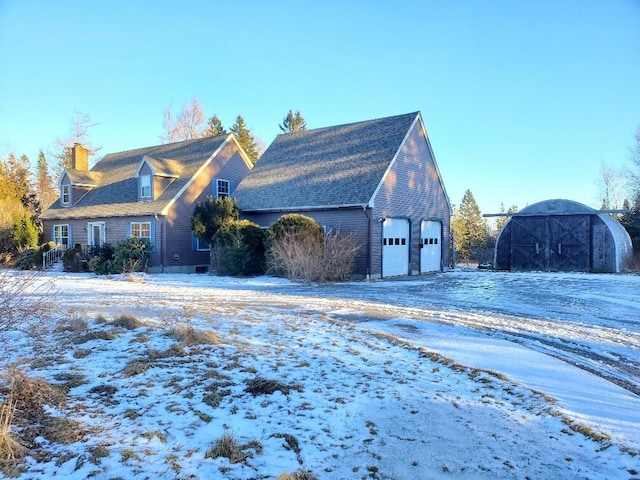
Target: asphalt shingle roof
325,167
117,186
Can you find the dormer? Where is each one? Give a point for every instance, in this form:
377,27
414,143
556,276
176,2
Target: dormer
77,180
154,176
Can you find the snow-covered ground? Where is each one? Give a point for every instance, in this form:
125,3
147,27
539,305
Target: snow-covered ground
466,374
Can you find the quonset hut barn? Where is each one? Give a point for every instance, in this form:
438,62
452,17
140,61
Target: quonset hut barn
562,236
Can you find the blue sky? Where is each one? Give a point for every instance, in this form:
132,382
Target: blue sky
523,101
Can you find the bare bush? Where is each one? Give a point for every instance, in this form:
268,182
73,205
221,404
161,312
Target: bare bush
10,449
25,298
302,256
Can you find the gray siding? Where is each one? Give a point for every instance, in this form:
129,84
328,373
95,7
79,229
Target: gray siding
347,220
173,242
412,189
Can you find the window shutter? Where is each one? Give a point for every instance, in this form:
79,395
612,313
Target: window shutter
69,232
153,236
129,229
194,242
214,188
231,187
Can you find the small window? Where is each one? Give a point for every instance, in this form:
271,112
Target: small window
145,186
202,246
61,234
403,241
435,241
66,194
222,188
141,230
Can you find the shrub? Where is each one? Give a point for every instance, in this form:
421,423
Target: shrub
27,259
24,232
132,255
301,256
240,248
129,255
72,259
294,223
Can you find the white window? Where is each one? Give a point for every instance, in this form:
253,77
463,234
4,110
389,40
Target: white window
66,194
145,186
141,230
222,188
202,245
61,234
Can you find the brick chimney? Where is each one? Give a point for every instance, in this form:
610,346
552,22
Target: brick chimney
79,157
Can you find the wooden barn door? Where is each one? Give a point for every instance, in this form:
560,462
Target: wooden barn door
557,243
569,243
529,238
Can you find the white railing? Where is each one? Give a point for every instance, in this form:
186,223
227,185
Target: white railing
52,256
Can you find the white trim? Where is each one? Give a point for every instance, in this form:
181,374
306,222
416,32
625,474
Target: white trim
165,210
392,162
435,163
56,239
139,224
103,233
141,191
69,199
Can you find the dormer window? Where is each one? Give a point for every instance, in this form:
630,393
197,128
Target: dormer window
66,194
145,186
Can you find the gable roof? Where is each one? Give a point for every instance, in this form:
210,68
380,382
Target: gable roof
115,178
326,167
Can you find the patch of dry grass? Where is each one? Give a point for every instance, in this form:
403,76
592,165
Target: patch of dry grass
264,386
228,447
298,475
187,335
128,322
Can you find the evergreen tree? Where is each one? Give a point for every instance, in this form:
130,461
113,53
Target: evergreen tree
469,228
501,221
214,127
209,216
293,122
46,190
245,139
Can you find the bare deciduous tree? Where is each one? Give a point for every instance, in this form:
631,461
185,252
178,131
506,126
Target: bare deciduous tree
25,299
187,124
612,186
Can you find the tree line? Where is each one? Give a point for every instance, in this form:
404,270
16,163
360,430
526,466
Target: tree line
189,123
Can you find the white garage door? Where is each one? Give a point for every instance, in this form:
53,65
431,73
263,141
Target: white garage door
395,247
430,246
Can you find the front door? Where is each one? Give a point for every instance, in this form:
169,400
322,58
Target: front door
96,234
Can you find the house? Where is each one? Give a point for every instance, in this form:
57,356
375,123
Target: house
148,193
562,235
377,179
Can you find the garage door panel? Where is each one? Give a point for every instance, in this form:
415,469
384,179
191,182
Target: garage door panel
395,247
430,246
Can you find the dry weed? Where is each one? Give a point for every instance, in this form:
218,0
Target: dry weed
298,475
228,447
187,335
264,386
10,449
128,322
